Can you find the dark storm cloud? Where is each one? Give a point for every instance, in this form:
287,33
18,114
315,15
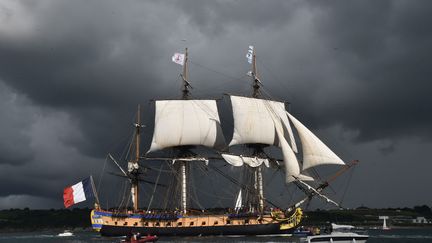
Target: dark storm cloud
72,73
380,49
82,61
15,142
383,46
214,17
37,158
79,64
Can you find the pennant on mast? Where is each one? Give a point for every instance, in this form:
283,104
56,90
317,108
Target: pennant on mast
178,58
249,54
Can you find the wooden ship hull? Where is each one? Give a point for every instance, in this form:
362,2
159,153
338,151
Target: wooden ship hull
110,224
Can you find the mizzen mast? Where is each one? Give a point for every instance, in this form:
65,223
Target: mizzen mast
133,166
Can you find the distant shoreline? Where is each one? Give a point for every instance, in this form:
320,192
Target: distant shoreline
76,219
44,230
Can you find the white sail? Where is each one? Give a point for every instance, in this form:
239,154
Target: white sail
253,121
133,194
236,160
315,152
292,167
186,122
291,135
239,200
233,160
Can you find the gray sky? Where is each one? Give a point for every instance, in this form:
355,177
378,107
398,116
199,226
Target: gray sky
355,72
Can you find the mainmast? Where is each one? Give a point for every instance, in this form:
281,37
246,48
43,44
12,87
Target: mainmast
183,168
185,77
255,79
257,148
182,124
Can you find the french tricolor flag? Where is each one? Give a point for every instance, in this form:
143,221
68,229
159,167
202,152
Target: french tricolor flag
78,192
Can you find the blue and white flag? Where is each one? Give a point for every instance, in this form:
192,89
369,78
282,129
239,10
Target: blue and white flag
249,54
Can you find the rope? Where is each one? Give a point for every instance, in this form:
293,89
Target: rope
277,79
347,185
101,174
192,188
123,196
154,188
243,186
232,78
216,192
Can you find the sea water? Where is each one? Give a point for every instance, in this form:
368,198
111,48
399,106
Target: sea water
405,235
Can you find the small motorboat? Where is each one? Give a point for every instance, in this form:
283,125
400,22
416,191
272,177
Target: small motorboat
340,234
136,238
302,232
66,233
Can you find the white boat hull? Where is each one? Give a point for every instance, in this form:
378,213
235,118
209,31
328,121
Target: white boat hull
65,234
338,237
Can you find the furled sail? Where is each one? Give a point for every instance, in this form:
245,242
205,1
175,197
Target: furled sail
236,160
186,122
315,152
253,121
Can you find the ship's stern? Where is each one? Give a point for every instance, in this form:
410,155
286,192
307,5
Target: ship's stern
96,220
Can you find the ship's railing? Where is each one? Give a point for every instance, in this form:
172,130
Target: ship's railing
119,215
243,215
160,216
147,216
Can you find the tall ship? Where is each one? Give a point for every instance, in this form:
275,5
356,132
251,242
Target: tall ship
188,134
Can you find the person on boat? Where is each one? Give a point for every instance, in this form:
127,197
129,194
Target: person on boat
129,236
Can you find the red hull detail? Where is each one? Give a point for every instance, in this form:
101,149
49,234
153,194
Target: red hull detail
149,238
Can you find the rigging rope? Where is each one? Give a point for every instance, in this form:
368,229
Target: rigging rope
101,175
243,186
215,192
347,185
277,79
123,196
192,186
231,78
154,188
